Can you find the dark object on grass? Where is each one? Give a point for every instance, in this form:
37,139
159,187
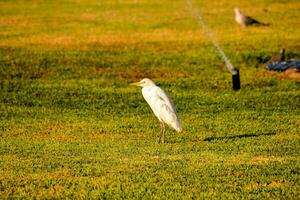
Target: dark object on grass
245,20
236,85
279,57
282,66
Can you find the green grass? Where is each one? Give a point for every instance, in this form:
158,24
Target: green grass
72,127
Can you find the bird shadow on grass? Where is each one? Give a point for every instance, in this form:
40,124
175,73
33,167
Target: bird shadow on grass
233,137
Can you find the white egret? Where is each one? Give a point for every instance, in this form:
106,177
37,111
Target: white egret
161,105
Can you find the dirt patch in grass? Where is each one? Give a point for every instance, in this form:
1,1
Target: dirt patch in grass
290,74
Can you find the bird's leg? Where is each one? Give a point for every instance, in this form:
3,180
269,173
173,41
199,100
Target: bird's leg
161,131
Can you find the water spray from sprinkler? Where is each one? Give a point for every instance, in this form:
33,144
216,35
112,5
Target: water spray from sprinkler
234,72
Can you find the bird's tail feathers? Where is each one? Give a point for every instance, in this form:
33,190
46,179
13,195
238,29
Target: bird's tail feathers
265,24
262,24
179,129
177,126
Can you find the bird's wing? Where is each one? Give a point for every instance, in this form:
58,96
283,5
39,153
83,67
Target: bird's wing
167,110
250,20
162,96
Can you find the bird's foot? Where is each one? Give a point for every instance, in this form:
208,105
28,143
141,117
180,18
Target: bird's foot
158,139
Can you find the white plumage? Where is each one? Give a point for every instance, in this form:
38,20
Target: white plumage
161,105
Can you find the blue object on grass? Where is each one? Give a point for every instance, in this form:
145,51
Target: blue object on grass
284,65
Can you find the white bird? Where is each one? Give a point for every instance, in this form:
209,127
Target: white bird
245,20
161,105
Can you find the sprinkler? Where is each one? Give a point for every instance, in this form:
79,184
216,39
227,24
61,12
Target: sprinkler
236,85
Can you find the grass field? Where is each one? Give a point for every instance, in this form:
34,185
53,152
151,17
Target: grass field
72,127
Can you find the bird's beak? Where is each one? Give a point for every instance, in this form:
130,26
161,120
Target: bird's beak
136,83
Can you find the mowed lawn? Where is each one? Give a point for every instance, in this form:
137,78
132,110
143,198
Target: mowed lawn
71,126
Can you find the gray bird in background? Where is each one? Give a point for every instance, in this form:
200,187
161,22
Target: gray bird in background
245,20
279,57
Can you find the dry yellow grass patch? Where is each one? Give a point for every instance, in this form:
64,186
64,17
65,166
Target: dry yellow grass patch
139,73
103,135
286,137
15,21
81,39
49,40
54,184
88,16
247,159
174,157
60,132
162,35
272,184
265,159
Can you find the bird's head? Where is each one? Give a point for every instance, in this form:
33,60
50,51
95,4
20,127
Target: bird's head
282,50
237,10
144,83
